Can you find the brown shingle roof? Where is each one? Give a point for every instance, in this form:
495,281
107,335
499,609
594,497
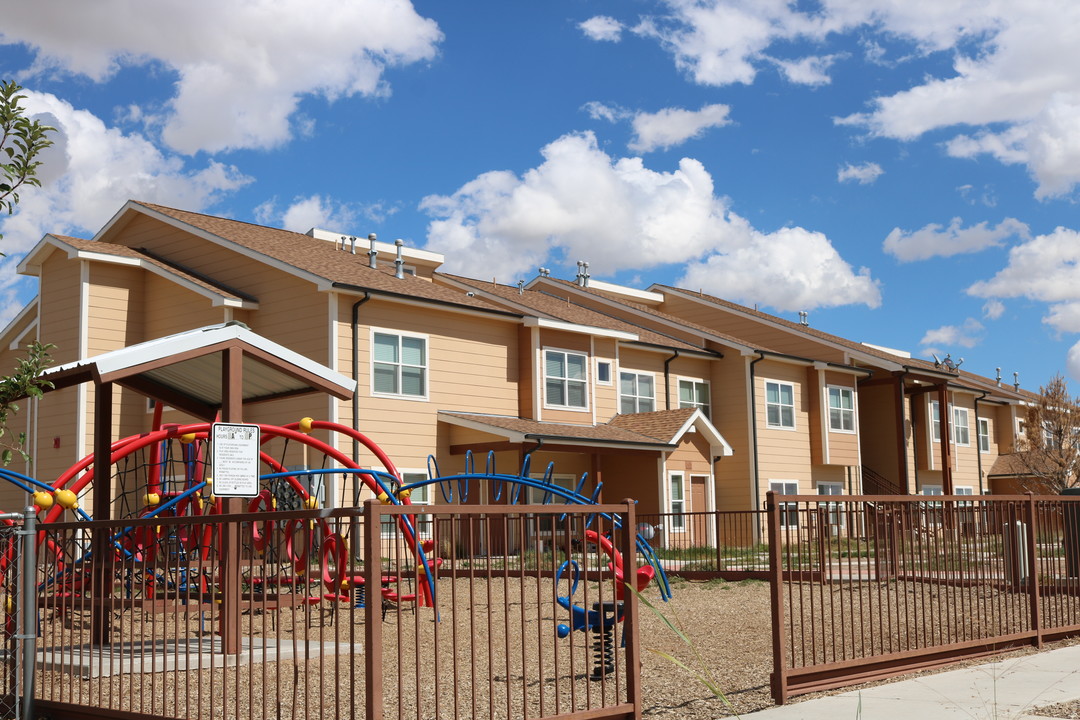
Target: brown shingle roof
321,258
563,431
661,424
560,309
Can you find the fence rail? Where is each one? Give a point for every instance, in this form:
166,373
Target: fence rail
345,613
871,586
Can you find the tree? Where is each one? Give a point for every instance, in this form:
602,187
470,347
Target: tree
22,142
1049,450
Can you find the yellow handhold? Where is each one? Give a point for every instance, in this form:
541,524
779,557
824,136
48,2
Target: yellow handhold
305,425
311,502
404,493
9,605
43,500
153,499
345,585
187,438
384,499
67,499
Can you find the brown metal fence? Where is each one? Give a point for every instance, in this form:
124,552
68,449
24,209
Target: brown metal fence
330,614
871,586
729,544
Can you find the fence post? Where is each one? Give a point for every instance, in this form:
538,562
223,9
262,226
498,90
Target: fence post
631,631
373,650
719,543
1033,571
28,590
776,601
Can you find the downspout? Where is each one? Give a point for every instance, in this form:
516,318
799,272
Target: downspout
978,449
356,375
904,480
753,427
667,380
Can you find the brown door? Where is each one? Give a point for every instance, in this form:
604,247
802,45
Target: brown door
699,527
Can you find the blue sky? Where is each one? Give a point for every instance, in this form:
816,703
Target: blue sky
905,171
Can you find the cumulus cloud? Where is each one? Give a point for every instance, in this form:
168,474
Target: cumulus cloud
317,211
581,203
602,27
864,174
993,309
240,68
936,241
1015,75
968,335
673,126
1072,362
92,169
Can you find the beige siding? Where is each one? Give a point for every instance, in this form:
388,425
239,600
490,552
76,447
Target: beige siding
784,454
731,416
171,308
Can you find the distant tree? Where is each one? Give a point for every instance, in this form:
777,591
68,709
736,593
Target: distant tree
1049,450
22,142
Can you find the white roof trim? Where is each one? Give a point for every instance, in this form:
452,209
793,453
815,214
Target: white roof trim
19,317
511,435
642,295
549,324
706,428
135,355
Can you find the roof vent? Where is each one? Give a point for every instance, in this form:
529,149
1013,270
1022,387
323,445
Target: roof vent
998,376
521,287
399,263
803,318
372,253
1016,381
544,272
583,273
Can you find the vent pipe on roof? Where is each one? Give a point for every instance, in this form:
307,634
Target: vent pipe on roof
399,262
998,376
521,287
803,315
582,273
352,244
1016,381
341,244
544,272
372,253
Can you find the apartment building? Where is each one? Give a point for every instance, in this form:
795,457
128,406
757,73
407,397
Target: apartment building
678,399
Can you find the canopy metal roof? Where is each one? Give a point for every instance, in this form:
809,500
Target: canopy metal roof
187,370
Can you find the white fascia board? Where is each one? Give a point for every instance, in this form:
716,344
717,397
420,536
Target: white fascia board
706,428
426,304
31,262
322,283
420,257
641,295
549,324
511,435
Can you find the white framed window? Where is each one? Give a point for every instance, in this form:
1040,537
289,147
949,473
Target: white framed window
779,405
963,490
935,421
677,502
603,372
841,408
566,379
835,509
695,394
931,490
637,392
399,365
417,496
789,512
961,430
984,435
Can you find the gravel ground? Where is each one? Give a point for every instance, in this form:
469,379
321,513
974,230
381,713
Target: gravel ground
727,623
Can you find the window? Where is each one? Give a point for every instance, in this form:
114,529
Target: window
841,409
835,509
565,379
779,405
984,435
961,432
935,421
695,394
636,393
399,365
603,372
677,503
789,512
417,496
931,490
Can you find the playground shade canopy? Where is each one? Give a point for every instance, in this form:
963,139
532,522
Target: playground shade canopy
186,370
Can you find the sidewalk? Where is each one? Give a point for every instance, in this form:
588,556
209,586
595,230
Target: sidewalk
1007,689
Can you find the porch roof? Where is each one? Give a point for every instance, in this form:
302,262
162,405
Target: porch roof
521,430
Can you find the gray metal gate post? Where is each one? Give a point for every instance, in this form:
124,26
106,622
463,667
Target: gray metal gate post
28,590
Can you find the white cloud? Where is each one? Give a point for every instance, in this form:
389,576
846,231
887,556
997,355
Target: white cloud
864,174
1064,317
1072,362
993,309
241,68
599,111
968,335
1045,268
673,126
316,211
1015,76
936,241
602,27
580,203
810,70
92,169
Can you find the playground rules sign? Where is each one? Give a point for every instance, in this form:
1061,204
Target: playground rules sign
235,458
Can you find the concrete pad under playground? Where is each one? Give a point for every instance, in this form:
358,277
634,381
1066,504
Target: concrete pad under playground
1010,689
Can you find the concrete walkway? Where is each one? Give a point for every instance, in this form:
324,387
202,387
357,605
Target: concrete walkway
1009,689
